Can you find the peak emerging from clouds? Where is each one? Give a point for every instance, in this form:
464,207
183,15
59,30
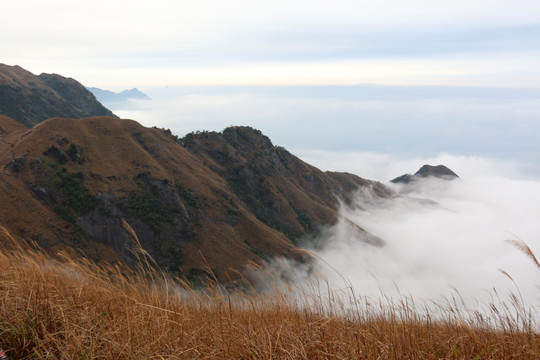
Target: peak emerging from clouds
438,171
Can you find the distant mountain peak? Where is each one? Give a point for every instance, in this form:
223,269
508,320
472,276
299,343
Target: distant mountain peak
113,99
134,94
438,171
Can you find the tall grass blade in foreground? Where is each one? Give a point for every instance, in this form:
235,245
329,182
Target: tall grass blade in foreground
69,308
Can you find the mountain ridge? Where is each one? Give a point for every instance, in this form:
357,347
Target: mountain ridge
31,99
207,200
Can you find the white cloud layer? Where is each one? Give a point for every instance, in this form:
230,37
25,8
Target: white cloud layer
455,241
444,240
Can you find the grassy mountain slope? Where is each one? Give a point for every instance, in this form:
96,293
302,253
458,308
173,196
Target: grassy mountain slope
284,192
30,99
218,202
8,125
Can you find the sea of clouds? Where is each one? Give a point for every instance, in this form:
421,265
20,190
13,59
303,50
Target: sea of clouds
439,235
443,238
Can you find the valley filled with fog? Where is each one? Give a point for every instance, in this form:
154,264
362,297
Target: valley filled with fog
439,235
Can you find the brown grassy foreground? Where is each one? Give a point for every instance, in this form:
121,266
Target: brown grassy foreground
71,309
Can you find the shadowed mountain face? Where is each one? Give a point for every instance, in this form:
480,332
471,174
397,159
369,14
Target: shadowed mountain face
206,201
31,99
439,171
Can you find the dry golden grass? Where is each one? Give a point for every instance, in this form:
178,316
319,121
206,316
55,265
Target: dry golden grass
67,308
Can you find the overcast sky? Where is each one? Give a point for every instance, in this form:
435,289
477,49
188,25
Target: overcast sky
377,88
164,42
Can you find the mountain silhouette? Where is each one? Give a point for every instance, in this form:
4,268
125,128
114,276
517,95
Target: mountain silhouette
439,171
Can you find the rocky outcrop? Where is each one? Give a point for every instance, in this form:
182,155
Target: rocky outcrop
439,171
281,190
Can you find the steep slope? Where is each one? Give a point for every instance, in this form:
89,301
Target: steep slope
218,202
30,99
281,190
